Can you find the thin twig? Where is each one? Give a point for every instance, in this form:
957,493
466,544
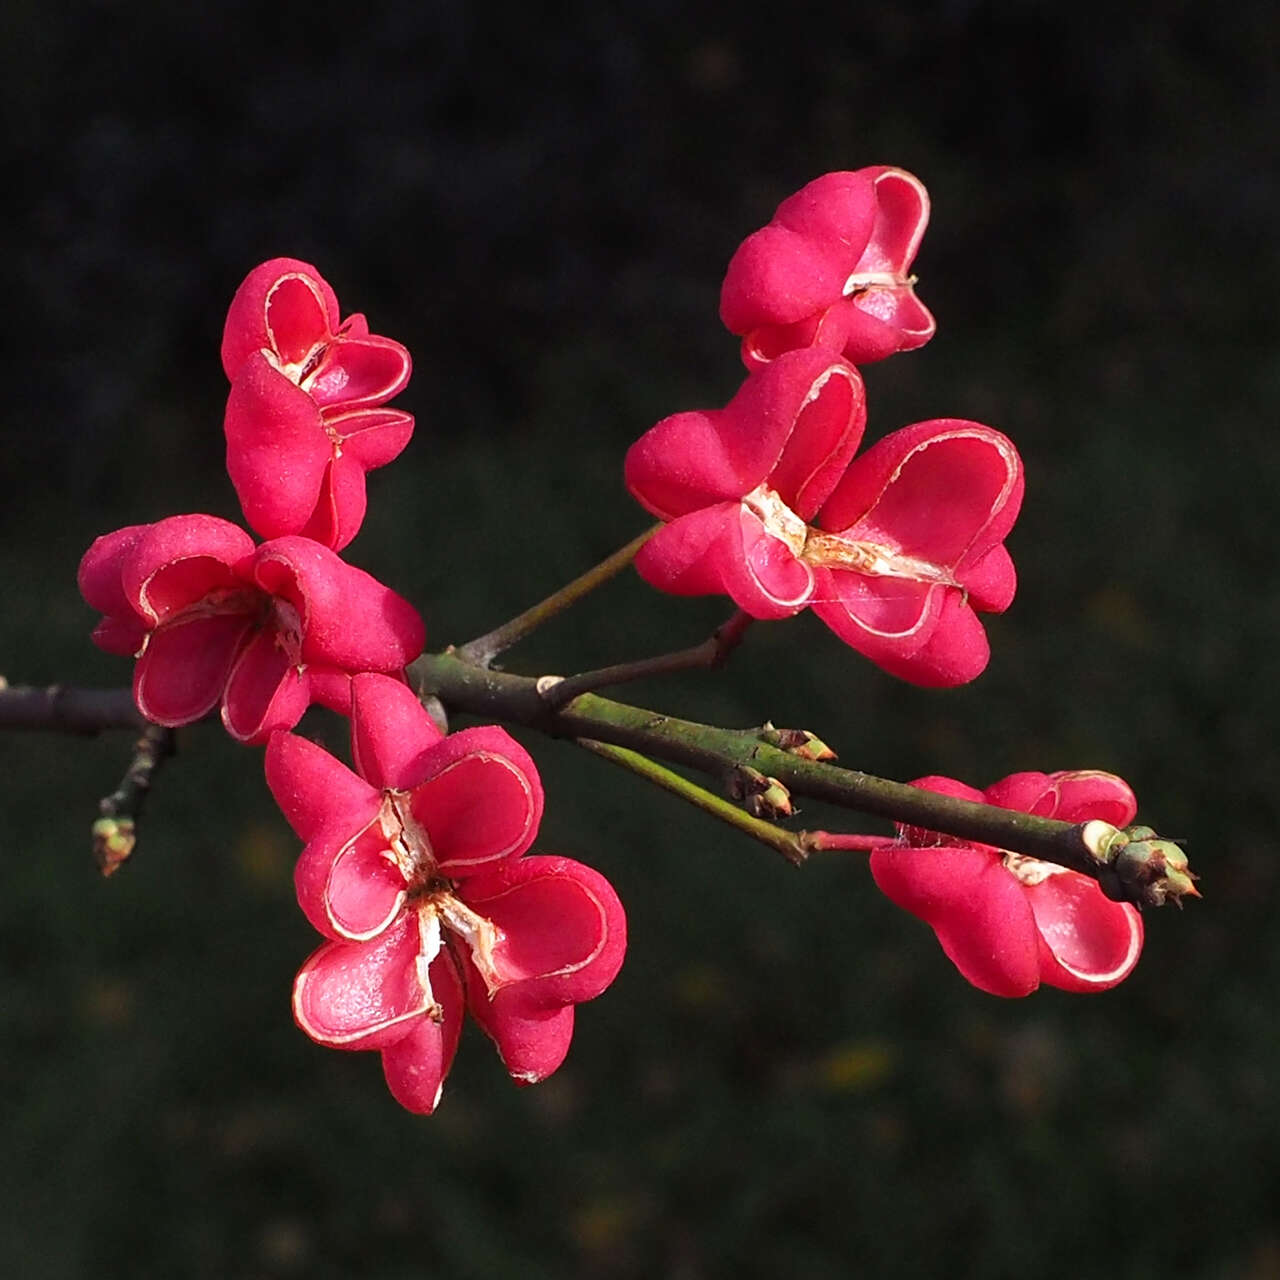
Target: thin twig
787,843
483,649
710,653
115,832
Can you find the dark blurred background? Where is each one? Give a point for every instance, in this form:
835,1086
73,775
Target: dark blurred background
788,1078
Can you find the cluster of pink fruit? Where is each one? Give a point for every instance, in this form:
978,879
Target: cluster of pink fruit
896,550
416,868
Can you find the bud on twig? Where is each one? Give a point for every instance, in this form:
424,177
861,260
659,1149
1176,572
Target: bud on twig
796,742
1146,870
760,795
113,841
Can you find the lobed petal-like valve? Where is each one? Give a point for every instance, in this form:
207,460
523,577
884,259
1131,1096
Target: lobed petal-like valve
304,419
1009,922
915,549
414,868
832,269
564,936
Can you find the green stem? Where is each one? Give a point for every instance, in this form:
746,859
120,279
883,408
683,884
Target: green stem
483,649
462,686
787,843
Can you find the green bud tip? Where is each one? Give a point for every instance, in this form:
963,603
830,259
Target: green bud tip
113,843
797,742
1152,871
